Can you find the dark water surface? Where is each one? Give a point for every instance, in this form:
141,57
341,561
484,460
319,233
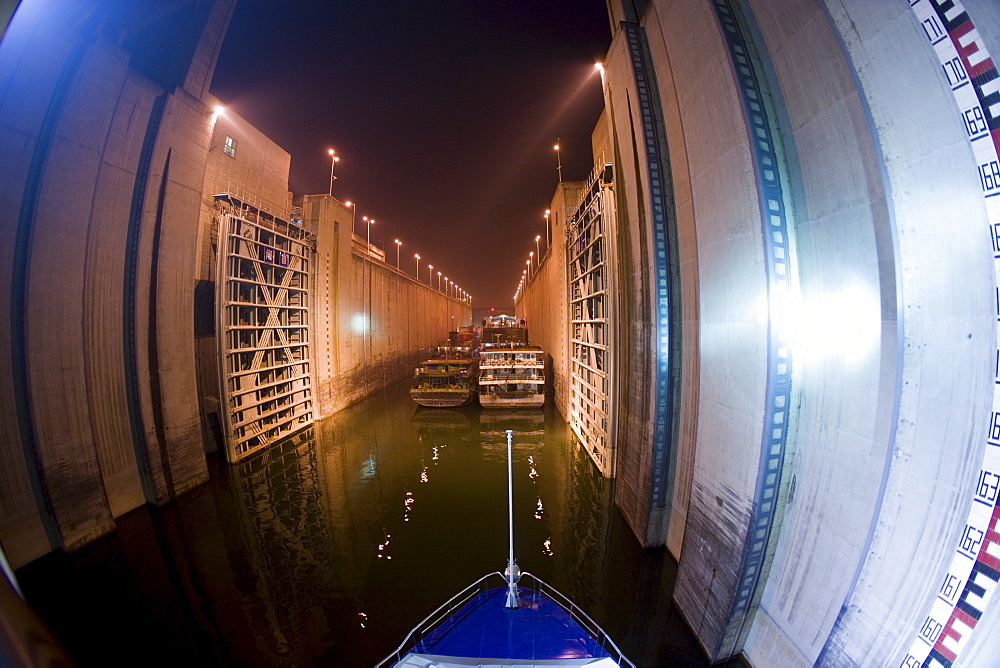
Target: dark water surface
328,550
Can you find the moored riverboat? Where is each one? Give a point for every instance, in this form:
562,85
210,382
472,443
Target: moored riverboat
445,380
511,375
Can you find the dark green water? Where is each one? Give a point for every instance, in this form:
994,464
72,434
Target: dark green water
326,551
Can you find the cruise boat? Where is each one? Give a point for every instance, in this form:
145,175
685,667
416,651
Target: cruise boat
511,375
446,380
507,619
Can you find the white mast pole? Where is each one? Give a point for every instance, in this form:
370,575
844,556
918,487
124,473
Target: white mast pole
513,573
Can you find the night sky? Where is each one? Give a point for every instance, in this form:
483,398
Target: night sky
444,113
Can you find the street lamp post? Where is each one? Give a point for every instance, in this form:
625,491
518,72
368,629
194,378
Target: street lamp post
398,244
531,257
528,270
548,241
538,252
558,160
368,236
417,272
333,163
354,213
439,281
430,270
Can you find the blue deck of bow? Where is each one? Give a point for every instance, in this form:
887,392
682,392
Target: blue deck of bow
538,629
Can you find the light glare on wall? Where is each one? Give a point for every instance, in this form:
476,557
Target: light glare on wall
359,323
842,325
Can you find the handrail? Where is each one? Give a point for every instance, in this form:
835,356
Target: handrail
424,626
582,618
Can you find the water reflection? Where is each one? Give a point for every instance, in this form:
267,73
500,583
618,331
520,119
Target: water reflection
328,549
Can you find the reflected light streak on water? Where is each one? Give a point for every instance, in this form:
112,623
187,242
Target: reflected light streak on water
284,560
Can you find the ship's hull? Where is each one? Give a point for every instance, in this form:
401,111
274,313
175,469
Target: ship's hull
446,399
519,401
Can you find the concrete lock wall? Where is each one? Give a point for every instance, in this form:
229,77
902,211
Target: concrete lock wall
832,476
105,166
373,322
543,304
106,212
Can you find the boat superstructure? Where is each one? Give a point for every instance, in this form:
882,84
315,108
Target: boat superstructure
511,375
446,379
511,371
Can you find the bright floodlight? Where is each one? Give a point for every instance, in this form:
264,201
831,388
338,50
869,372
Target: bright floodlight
330,151
219,109
599,66
556,147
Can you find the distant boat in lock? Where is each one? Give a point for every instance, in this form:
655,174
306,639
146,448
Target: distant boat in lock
511,372
447,379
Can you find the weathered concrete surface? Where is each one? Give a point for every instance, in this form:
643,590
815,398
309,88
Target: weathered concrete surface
373,321
546,317
948,342
892,316
108,254
847,396
731,325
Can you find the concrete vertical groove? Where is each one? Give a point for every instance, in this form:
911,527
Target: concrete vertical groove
779,268
42,364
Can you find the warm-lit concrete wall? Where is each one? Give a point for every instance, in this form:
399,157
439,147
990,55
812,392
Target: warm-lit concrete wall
105,218
103,172
372,322
543,301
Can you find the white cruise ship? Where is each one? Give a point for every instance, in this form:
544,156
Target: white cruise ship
511,375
